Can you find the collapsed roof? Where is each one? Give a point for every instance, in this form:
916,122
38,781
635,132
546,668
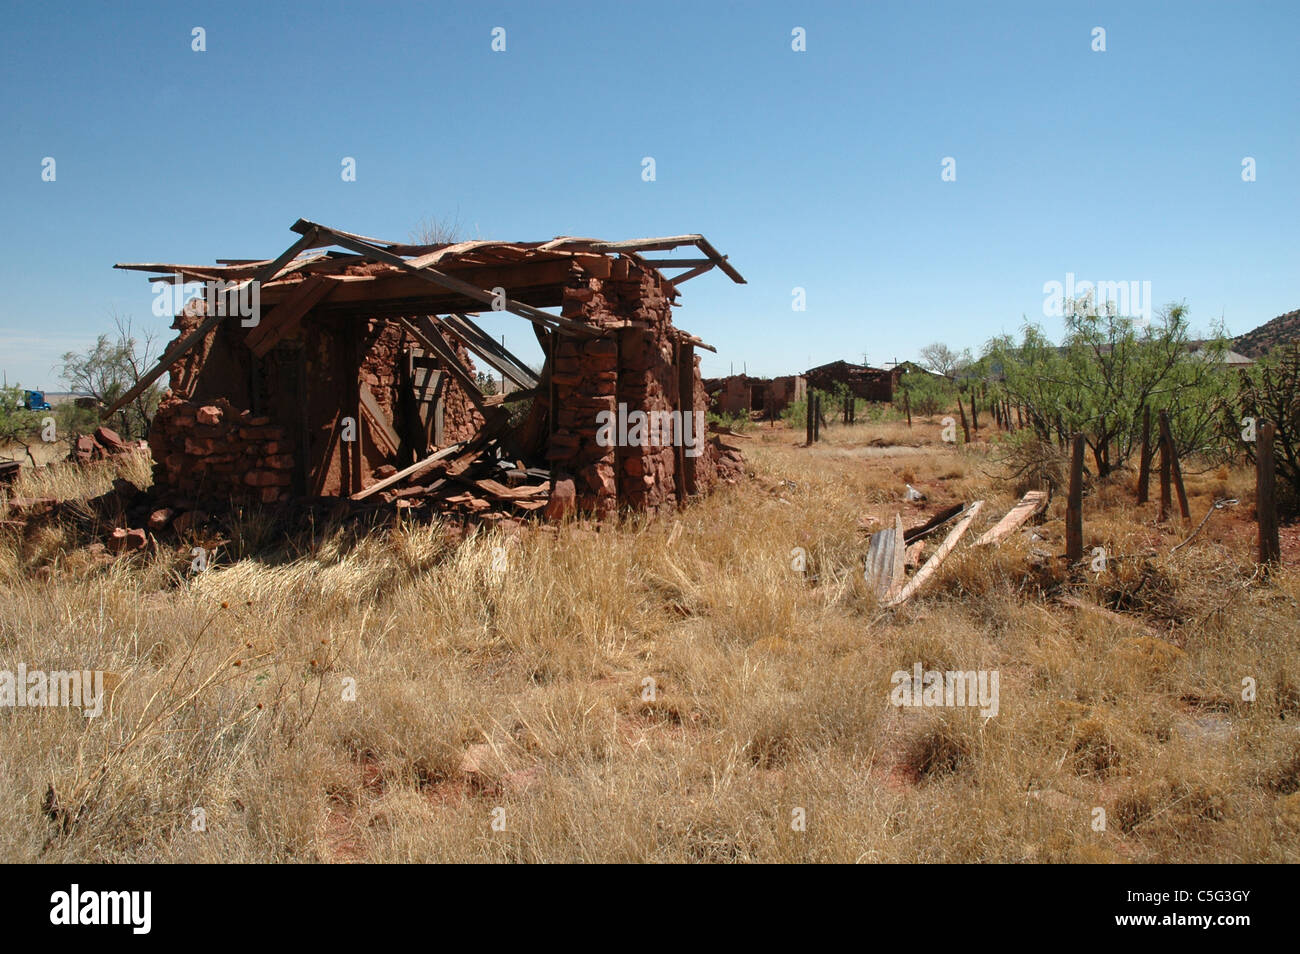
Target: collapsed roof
374,311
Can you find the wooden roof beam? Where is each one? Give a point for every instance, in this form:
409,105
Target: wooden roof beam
535,315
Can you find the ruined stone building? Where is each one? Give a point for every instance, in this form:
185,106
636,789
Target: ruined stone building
352,376
862,381
741,394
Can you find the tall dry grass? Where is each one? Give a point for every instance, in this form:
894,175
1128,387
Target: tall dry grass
662,691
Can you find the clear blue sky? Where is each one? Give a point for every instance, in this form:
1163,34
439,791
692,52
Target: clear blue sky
818,169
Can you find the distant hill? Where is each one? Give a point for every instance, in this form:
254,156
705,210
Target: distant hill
1284,329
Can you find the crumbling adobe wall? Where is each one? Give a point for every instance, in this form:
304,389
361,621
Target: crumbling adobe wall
217,451
635,366
460,418
386,347
647,381
208,445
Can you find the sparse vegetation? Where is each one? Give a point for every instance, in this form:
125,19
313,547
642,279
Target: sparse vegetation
522,684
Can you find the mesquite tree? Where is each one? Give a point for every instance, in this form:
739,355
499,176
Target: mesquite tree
1108,368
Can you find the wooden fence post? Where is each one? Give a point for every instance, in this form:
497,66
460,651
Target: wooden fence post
1074,504
1270,550
965,428
809,399
907,407
1144,462
1175,470
817,418
1165,498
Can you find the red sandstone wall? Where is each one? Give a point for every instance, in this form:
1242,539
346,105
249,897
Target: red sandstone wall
635,367
216,451
243,457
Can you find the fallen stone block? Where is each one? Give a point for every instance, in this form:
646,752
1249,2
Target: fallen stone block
124,540
208,415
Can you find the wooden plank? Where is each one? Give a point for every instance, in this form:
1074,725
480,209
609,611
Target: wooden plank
723,264
1074,503
688,275
679,263
411,471
182,347
938,520
924,574
383,429
1031,503
1270,550
663,243
170,357
285,319
686,404
885,560
501,491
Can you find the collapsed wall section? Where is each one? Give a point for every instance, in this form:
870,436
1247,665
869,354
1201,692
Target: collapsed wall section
217,451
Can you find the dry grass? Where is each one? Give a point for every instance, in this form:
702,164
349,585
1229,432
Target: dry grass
770,689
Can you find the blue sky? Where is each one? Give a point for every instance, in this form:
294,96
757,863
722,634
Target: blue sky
816,169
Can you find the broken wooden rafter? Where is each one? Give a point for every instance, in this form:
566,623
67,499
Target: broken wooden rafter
662,244
486,347
924,574
284,319
431,274
382,429
1031,503
411,471
181,348
687,276
690,339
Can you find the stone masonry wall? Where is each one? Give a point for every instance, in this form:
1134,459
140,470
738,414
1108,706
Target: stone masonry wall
214,450
635,367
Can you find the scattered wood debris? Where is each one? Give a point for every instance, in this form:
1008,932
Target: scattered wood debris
924,574
1030,504
934,523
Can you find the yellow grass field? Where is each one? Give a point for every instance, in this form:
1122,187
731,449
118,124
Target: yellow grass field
663,691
